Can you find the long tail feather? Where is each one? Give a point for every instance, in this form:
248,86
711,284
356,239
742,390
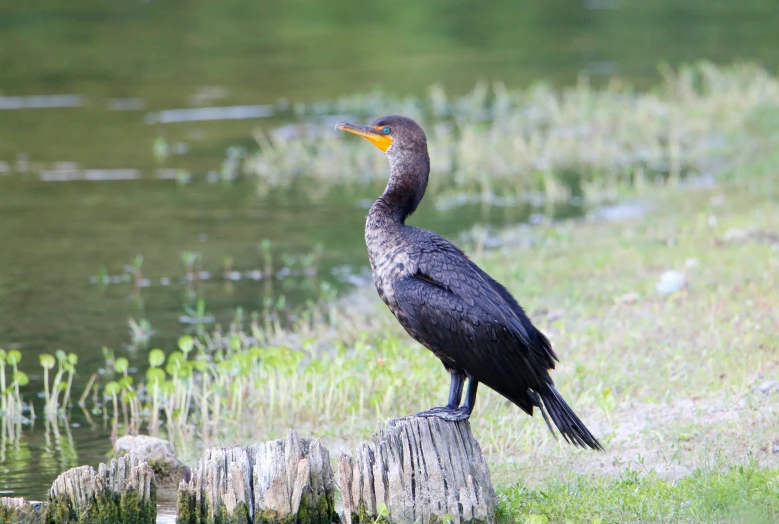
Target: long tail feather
573,430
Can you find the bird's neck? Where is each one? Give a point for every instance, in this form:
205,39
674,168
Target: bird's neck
405,189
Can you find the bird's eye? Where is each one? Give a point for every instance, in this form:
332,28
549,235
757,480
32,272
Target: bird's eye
386,130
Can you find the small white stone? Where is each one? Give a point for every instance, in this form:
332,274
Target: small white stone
670,282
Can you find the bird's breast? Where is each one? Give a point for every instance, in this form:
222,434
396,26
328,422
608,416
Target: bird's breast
390,262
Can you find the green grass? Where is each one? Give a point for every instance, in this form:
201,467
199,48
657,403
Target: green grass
741,494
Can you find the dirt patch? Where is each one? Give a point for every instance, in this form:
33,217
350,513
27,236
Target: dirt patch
670,439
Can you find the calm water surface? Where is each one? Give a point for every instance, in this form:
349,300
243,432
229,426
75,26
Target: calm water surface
120,65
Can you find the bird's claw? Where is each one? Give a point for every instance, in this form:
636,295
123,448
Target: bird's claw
447,413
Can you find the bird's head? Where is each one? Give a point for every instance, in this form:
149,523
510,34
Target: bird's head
395,135
405,145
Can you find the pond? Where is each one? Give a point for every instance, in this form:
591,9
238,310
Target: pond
95,168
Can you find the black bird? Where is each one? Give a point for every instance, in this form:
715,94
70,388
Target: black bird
447,303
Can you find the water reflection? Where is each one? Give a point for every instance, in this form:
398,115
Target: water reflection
33,455
40,101
167,116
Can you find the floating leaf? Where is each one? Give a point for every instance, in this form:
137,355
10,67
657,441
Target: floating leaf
47,361
14,357
20,377
156,357
155,375
186,343
112,388
121,365
175,363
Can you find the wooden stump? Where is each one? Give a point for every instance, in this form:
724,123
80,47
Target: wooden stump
19,511
423,470
123,492
158,453
287,480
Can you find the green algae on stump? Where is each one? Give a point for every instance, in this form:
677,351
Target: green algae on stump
16,510
123,491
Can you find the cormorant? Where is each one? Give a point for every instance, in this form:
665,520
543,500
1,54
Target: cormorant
447,303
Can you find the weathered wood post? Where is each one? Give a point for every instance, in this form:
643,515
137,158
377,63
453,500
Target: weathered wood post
123,492
287,480
160,455
423,470
16,510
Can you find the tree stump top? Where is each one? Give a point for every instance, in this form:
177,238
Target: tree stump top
421,470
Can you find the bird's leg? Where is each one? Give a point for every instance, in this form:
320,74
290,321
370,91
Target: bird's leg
453,411
455,394
455,388
470,396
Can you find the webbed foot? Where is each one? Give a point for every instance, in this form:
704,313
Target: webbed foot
447,413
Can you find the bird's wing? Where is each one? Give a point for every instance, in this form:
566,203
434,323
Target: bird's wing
466,315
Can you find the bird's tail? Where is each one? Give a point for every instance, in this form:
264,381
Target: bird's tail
552,405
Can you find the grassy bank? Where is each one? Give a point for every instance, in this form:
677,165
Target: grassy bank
739,494
681,388
679,381
541,141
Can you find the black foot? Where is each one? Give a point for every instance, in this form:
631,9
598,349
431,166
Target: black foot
447,413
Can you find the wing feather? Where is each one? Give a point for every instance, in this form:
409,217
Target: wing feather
471,322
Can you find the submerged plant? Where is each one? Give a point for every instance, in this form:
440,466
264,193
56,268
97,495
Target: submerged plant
267,257
160,149
191,259
136,270
232,163
140,331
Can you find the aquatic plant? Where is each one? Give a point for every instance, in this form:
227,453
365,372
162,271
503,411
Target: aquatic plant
136,271
66,364
265,248
10,400
513,142
140,331
191,259
232,163
160,149
183,177
110,359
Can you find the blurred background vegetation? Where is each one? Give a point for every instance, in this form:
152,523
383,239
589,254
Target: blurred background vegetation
124,225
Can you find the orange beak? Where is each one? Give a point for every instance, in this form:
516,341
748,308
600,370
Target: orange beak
373,134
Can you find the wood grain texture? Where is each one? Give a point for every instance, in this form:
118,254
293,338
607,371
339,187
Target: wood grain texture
423,470
122,491
288,480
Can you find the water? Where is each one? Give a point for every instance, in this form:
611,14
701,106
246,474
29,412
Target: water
87,89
